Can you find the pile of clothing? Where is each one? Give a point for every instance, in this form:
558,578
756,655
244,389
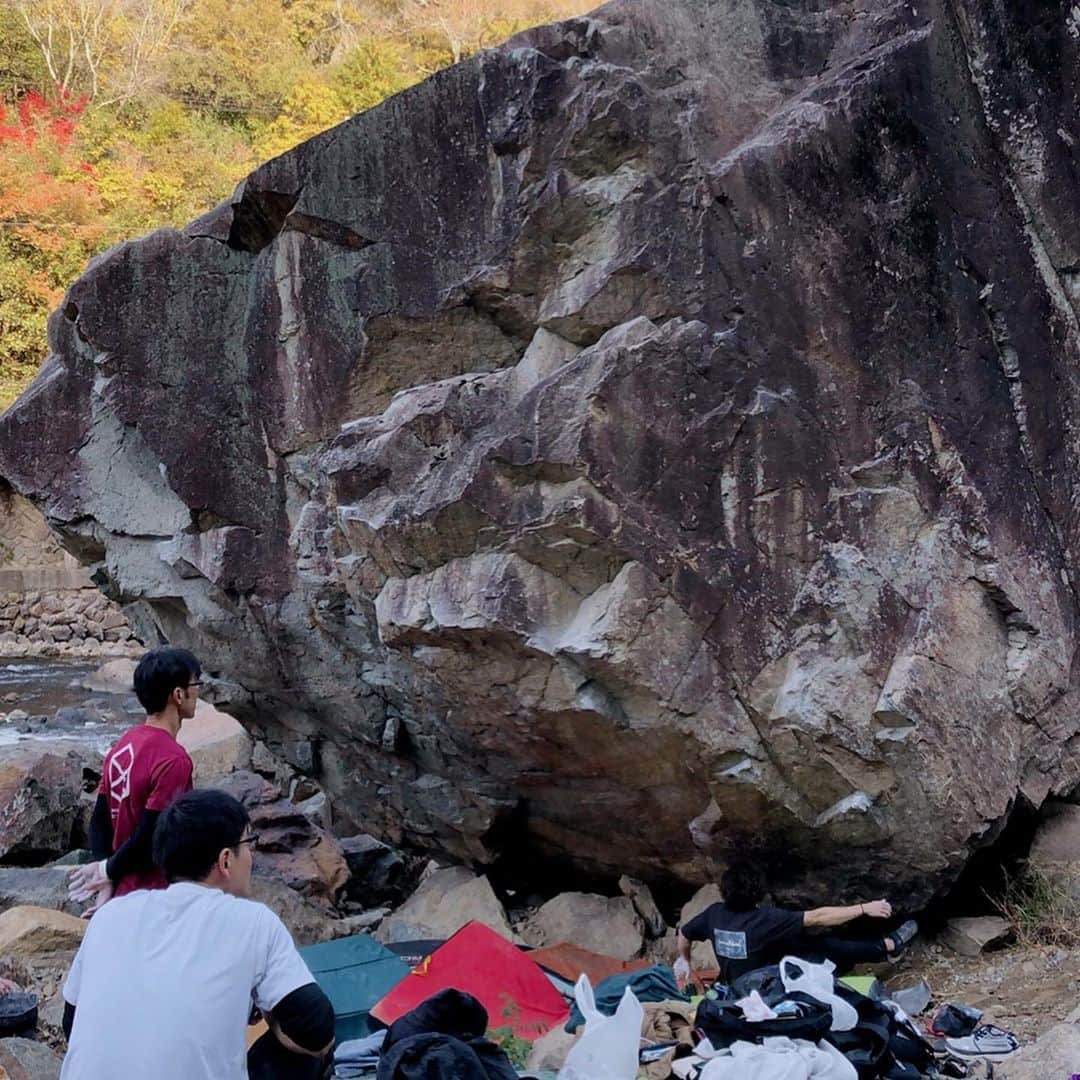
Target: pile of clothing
795,1021
443,1038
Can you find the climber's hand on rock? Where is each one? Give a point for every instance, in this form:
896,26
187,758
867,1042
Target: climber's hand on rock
877,909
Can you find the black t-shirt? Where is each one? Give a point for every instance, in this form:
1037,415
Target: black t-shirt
746,940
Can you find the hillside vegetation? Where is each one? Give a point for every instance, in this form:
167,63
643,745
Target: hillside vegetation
120,116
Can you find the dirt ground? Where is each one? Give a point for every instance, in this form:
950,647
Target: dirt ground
1025,990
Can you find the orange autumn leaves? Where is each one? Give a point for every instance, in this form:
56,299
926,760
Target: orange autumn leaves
50,222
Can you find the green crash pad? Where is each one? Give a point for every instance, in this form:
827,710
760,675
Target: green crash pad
867,985
354,972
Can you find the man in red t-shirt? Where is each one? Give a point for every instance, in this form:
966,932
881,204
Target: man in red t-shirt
144,771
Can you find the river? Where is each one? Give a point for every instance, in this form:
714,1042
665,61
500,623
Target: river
59,705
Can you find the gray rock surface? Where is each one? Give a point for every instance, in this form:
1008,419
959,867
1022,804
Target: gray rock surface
45,798
41,886
306,921
444,902
606,925
24,1059
650,440
1055,1053
702,957
973,935
291,848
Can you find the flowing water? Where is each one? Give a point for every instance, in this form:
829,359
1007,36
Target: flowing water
59,705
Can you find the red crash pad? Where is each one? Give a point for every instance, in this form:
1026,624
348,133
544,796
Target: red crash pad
515,992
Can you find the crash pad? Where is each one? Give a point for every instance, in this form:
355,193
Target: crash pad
515,992
570,961
354,972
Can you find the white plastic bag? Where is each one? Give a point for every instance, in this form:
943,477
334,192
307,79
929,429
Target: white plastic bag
608,1047
817,981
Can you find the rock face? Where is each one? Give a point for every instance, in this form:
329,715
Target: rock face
23,1058
43,811
292,849
27,932
606,925
650,440
445,901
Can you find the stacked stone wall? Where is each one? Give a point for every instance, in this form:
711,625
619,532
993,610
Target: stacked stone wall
48,606
74,622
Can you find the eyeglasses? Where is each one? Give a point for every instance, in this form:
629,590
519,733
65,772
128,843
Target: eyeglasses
193,685
253,840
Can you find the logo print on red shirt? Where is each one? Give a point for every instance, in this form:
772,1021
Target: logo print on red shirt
120,765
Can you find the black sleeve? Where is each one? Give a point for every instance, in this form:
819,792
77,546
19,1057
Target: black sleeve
101,832
307,1017
136,853
69,1019
697,928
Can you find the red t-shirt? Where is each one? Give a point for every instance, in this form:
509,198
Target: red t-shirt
145,770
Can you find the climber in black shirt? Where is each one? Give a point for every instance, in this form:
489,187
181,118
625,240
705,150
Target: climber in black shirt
746,934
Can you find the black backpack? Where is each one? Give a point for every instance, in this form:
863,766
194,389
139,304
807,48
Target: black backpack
722,1022
879,1046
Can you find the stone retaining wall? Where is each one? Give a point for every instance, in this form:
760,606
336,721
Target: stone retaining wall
73,622
48,606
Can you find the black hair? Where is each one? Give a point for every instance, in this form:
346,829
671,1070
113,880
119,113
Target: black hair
160,672
742,886
194,829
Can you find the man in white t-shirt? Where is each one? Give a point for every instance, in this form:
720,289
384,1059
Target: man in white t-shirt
165,979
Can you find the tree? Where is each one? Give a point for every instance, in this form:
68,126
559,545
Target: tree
50,223
107,50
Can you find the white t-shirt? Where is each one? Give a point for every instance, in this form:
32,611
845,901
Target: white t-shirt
164,982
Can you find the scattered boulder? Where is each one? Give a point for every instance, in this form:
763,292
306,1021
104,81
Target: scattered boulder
641,897
27,932
1056,1053
217,743
307,922
444,902
23,1059
550,1050
377,871
112,677
291,848
702,957
39,886
1058,837
602,924
42,810
1056,849
364,921
972,936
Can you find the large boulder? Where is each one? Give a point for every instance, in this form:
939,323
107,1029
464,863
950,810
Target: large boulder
291,848
24,1059
648,440
1055,852
308,922
445,901
40,886
377,872
606,925
43,811
217,743
702,956
1056,1053
28,932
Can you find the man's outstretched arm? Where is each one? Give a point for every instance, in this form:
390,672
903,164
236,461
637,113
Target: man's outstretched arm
837,916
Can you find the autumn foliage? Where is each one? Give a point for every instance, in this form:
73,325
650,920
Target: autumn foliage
120,116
